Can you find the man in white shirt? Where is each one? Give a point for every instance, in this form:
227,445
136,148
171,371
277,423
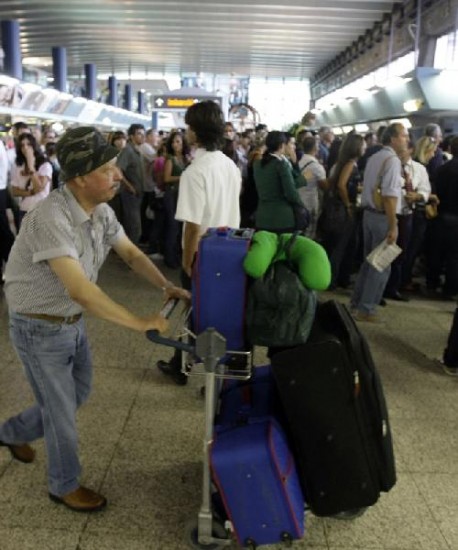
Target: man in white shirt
208,196
416,193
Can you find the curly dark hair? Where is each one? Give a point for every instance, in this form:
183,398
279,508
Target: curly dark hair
39,156
170,139
206,120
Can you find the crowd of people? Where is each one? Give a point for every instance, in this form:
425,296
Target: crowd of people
336,177
279,172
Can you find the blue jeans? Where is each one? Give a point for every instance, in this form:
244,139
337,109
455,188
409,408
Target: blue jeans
58,366
370,283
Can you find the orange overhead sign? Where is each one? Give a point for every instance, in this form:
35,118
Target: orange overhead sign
174,102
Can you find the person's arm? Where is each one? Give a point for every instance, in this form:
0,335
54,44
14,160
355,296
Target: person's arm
168,178
94,300
323,184
423,187
17,191
39,181
342,184
126,183
142,265
288,184
191,238
389,205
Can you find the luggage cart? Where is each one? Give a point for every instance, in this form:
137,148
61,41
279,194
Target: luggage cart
204,354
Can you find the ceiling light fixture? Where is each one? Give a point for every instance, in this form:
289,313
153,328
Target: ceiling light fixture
412,105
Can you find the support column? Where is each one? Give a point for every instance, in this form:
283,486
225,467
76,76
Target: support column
128,97
90,72
11,45
59,68
141,102
113,91
155,120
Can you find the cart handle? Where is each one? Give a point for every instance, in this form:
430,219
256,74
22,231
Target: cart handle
154,335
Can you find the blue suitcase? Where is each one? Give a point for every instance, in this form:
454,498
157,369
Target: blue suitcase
257,481
253,398
219,285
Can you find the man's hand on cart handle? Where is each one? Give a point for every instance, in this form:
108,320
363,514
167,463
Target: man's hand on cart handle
177,292
154,322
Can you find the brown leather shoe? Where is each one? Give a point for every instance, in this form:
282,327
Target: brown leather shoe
81,500
23,453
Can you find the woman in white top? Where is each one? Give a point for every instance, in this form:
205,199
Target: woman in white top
31,175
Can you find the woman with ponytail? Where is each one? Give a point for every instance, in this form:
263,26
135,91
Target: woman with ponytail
276,187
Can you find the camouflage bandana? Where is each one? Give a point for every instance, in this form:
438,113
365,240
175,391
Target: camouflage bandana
82,150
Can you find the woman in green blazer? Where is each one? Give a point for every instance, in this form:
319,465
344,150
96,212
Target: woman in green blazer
276,187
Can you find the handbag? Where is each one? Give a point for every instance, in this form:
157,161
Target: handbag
301,217
280,309
377,197
333,215
431,210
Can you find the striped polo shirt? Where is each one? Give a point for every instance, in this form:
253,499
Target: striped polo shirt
57,227
383,168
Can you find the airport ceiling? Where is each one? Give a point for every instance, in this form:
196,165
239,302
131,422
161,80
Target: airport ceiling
243,37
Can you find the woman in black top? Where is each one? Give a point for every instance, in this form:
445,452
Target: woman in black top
344,186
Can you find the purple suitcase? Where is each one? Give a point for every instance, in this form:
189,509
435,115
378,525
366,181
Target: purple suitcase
255,473
219,284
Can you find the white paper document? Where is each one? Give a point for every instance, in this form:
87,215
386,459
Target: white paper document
383,255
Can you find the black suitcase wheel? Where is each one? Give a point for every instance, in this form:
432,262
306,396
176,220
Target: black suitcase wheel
287,539
348,515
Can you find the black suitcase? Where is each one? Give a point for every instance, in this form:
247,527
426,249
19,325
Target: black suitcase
337,415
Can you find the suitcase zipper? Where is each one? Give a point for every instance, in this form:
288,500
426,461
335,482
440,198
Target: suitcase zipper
357,384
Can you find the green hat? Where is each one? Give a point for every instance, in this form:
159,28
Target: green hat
82,150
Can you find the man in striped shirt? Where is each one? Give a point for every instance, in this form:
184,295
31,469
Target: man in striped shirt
50,279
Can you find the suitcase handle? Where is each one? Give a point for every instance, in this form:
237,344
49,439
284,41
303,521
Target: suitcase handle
154,335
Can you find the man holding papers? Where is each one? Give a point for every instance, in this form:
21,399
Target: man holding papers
381,201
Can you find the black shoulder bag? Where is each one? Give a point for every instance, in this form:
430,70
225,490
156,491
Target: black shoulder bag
280,308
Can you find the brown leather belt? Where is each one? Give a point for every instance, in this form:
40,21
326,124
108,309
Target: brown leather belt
54,318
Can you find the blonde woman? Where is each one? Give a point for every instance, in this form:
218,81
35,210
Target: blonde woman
425,149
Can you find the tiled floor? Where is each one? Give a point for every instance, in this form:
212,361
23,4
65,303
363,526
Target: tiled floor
141,442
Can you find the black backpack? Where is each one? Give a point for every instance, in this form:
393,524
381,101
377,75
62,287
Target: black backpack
280,310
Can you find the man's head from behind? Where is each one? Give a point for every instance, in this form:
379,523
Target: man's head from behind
434,131
206,125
